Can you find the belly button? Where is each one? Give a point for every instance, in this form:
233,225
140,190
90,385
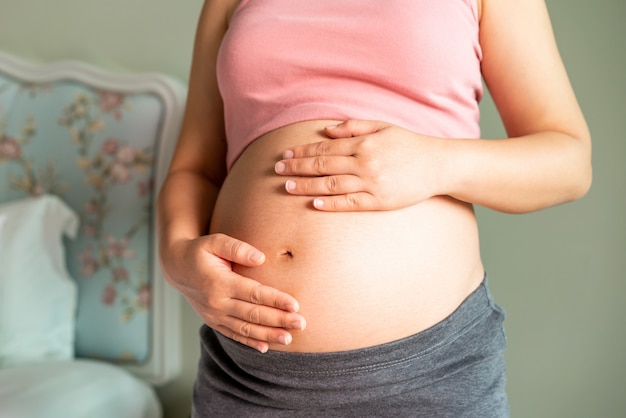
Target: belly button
287,253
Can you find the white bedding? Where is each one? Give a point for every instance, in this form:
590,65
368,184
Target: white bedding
74,389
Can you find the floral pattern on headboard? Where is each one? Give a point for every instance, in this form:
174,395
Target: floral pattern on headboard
96,150
31,181
112,164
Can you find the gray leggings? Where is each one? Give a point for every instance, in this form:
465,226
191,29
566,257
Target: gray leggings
453,369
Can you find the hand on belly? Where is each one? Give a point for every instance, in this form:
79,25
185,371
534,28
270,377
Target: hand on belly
361,278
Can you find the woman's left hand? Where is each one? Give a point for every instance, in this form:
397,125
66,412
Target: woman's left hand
365,166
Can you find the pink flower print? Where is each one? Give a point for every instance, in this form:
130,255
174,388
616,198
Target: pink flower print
126,155
89,265
110,146
108,295
144,296
10,148
144,187
90,208
37,190
120,173
110,101
89,231
117,249
120,274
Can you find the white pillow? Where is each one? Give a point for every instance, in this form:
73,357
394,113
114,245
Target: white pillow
37,295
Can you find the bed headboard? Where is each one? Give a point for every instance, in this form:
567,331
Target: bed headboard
102,143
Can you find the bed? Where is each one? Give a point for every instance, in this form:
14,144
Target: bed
88,326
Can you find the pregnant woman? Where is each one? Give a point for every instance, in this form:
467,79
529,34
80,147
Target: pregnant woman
318,213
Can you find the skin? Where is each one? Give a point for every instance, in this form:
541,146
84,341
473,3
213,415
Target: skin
370,165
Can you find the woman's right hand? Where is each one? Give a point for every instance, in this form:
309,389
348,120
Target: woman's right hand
238,307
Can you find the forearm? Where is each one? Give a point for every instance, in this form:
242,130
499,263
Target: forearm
184,207
517,175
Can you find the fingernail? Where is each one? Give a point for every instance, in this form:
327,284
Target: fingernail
256,256
285,340
290,185
331,126
318,203
297,325
279,167
288,154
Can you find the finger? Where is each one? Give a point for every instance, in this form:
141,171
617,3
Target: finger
352,202
251,291
254,335
272,329
234,250
343,146
264,317
316,166
353,127
324,186
259,345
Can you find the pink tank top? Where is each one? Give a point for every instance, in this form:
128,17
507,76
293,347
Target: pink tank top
413,63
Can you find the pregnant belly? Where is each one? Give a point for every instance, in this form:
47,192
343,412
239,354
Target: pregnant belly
361,278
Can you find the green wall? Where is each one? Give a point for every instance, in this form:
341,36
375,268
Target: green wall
559,273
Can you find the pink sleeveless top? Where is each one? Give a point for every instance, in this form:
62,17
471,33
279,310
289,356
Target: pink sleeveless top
413,63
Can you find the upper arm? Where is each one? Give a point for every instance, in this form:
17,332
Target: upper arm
201,145
524,72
